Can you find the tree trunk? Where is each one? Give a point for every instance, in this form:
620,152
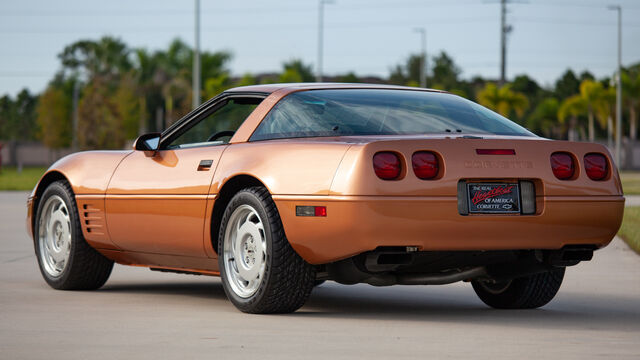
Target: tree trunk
633,123
142,122
13,153
572,129
159,119
583,135
610,132
168,107
591,127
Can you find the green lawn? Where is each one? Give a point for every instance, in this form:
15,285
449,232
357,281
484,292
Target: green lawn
10,179
630,230
630,182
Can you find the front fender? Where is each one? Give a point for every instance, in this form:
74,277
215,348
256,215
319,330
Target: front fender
88,173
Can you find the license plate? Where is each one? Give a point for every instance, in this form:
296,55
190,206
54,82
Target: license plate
493,198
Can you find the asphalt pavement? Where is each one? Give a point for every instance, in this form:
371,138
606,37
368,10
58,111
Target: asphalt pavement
146,315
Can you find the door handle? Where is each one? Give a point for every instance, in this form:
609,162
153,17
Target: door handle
205,165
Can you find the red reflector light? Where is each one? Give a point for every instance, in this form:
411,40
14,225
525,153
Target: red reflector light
495,152
321,211
387,165
425,165
596,167
562,165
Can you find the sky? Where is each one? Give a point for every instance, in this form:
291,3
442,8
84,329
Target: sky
367,37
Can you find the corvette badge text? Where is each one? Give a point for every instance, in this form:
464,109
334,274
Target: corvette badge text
515,164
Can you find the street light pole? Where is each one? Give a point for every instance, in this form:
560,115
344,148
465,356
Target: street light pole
423,56
196,58
503,41
619,85
321,4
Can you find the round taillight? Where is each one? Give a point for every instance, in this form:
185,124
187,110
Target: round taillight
596,167
425,165
387,165
562,165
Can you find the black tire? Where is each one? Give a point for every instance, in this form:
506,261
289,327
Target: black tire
85,268
287,280
527,292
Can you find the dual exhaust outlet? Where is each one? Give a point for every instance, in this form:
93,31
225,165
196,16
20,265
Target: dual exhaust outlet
385,268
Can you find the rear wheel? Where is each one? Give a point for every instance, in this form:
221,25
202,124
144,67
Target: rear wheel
527,292
66,261
260,271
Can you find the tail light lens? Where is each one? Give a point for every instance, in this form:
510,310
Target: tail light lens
425,165
387,165
562,165
596,167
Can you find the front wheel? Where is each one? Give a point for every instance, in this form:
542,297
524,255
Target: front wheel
66,261
527,292
260,271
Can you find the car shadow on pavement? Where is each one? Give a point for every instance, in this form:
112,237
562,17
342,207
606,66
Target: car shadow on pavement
209,290
435,304
568,310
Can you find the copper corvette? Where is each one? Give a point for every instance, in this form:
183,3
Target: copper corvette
277,188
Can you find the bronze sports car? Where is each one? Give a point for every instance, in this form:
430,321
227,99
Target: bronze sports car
276,188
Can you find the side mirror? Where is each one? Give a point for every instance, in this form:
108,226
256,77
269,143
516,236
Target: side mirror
147,143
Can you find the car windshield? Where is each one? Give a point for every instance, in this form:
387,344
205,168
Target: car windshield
348,112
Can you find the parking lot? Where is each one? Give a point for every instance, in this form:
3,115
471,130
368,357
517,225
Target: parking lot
149,315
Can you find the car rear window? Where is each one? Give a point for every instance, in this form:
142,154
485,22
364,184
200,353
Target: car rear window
349,112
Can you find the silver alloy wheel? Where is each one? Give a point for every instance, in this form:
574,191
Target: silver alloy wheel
54,236
245,251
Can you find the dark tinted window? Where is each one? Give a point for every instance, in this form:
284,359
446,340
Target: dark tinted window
227,118
379,112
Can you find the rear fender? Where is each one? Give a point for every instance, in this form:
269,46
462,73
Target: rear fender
459,160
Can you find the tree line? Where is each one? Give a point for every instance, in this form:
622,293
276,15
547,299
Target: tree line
120,92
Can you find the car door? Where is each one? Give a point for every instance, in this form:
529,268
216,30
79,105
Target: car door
156,202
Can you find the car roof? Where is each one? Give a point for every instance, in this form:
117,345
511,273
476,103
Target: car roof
291,87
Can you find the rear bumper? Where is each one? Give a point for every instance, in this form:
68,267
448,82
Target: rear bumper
355,224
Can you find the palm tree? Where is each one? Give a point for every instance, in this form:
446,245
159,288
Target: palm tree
631,93
590,91
503,99
572,107
544,117
603,106
150,75
177,94
107,57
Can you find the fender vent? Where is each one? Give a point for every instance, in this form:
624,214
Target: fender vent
92,218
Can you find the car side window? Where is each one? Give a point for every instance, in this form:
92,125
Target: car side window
218,127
